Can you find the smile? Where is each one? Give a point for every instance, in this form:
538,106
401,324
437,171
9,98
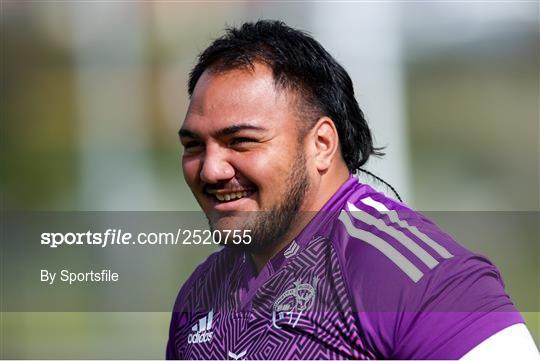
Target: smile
227,196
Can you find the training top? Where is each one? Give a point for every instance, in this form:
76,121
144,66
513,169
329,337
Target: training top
367,278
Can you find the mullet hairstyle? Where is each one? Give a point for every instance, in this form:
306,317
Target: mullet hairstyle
299,64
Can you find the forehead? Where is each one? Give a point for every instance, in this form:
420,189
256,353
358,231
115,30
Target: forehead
239,96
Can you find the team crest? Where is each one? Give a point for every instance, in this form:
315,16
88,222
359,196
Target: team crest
295,300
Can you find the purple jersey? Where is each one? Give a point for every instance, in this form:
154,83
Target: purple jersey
368,278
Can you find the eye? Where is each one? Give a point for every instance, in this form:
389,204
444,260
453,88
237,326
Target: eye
242,140
192,145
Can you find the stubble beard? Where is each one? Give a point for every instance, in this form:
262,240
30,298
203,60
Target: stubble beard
267,228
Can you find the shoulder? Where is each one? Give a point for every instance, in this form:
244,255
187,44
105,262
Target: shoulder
186,304
410,281
388,240
195,288
381,241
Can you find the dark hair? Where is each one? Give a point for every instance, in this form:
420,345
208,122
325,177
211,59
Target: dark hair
299,63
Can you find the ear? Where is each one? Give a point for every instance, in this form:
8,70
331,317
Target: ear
325,143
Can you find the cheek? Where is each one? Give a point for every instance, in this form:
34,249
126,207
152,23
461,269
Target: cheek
190,168
268,170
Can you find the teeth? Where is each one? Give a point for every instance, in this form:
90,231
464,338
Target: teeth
230,196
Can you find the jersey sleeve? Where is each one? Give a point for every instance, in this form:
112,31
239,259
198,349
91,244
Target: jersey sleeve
445,315
417,294
461,305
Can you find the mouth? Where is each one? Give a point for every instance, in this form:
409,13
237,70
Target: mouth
228,196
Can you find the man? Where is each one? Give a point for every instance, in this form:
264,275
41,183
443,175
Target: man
333,269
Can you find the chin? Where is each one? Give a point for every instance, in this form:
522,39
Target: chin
232,220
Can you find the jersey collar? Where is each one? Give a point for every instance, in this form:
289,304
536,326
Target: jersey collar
320,225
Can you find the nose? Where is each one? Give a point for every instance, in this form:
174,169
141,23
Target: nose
215,166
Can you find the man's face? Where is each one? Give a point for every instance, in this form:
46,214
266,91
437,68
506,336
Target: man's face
242,159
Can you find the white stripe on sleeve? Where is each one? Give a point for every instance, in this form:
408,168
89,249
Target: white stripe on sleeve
393,254
394,217
401,237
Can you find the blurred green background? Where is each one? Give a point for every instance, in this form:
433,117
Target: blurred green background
92,95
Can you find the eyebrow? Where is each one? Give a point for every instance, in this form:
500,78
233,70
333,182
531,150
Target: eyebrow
185,133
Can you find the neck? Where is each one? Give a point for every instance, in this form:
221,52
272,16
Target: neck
301,221
326,189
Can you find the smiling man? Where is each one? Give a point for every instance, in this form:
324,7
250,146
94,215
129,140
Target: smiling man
334,269
245,161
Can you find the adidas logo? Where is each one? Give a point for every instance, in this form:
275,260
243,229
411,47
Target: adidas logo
291,251
202,331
